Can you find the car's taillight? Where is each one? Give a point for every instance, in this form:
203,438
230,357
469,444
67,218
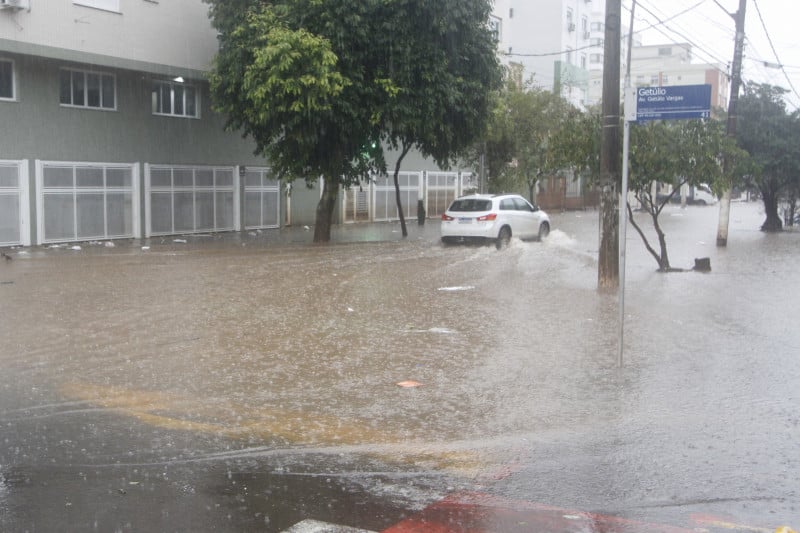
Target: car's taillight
447,217
487,218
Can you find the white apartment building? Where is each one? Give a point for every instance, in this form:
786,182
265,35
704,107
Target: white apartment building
657,65
550,40
664,65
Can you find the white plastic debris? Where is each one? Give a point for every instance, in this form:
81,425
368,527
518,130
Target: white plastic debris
145,247
183,241
453,289
109,244
76,247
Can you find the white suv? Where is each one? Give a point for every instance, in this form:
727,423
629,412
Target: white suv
486,217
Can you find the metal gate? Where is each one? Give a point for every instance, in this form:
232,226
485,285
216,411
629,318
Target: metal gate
385,200
189,199
262,206
441,188
355,203
14,206
86,201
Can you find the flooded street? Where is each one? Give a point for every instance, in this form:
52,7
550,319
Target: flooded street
249,382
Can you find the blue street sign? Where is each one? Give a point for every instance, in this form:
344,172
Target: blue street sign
675,102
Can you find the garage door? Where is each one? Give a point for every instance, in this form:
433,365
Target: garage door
14,208
86,201
189,199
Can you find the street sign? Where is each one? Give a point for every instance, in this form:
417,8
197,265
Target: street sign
675,102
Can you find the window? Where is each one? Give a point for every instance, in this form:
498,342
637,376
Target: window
597,26
79,88
6,79
583,61
107,5
665,51
175,99
595,58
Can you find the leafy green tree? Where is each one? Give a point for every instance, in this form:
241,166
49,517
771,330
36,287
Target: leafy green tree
441,61
676,153
772,138
518,145
319,84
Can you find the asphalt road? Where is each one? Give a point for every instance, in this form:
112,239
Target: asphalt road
249,382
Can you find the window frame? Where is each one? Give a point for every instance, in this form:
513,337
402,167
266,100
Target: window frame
13,97
101,75
157,101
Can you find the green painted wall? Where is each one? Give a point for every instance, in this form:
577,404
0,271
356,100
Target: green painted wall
46,130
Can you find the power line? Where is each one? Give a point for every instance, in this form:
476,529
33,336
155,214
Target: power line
775,52
682,36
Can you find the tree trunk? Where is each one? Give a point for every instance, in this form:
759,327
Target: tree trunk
325,209
647,245
773,222
663,262
402,156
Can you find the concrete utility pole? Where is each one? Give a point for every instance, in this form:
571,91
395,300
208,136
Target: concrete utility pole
608,255
736,82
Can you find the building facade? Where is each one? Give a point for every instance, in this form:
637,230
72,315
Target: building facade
550,39
108,128
665,65
109,132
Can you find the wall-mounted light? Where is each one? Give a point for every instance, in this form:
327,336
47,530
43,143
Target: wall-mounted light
179,79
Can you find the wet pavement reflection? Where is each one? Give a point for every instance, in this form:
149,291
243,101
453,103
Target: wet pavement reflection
247,382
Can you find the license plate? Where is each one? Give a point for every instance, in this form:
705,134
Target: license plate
465,220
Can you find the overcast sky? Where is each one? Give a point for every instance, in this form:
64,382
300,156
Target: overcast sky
707,25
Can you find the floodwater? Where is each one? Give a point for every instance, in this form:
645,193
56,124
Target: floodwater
248,382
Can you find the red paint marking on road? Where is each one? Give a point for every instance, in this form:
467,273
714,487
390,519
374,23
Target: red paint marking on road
481,513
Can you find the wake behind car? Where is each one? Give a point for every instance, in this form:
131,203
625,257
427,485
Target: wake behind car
493,218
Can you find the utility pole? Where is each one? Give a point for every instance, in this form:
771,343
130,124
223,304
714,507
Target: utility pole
736,82
608,255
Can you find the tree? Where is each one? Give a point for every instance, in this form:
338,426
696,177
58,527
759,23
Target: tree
442,63
675,154
519,144
772,138
319,84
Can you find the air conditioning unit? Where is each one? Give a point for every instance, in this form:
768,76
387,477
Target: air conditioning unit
15,4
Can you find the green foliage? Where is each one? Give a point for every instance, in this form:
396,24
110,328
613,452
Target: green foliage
442,62
320,84
771,136
523,138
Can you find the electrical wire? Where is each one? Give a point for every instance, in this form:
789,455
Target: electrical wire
775,52
695,46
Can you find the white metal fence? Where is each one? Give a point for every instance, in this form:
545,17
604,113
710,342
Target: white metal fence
262,207
385,197
375,200
14,207
190,199
86,201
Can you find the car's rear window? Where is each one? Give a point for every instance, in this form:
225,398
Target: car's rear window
471,204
